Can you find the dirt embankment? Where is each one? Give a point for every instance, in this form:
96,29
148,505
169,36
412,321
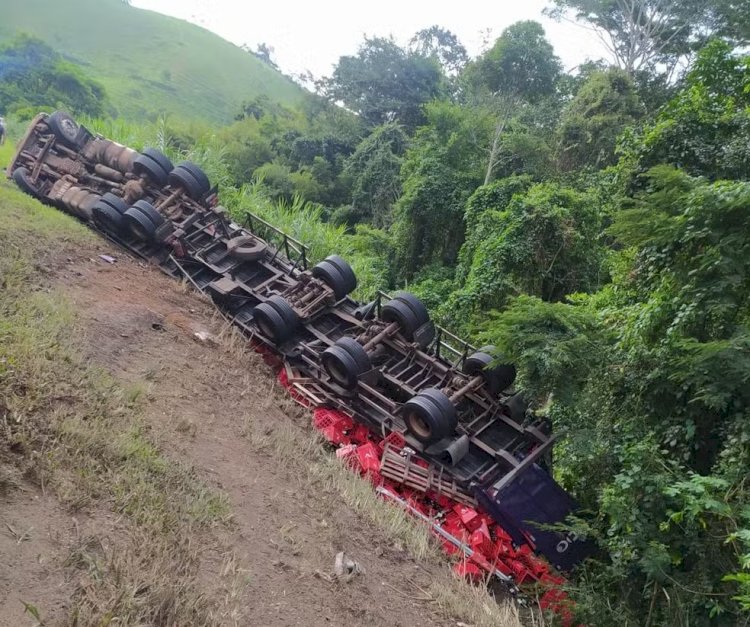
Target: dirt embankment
215,410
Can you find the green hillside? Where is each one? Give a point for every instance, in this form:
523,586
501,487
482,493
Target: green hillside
149,62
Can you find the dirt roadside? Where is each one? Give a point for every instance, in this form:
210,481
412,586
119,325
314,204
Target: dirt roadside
209,407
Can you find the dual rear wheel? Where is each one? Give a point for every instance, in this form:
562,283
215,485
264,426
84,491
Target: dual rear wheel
112,214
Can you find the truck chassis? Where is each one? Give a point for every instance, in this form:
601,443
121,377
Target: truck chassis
382,362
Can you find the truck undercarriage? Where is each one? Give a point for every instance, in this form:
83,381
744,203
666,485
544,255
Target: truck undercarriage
384,362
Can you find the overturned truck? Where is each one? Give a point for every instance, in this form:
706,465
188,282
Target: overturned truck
384,362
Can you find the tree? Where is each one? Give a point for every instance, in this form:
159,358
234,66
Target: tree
34,76
653,35
443,45
543,242
441,169
649,376
374,170
705,128
605,105
520,69
385,83
521,63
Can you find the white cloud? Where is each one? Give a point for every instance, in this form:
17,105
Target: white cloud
313,35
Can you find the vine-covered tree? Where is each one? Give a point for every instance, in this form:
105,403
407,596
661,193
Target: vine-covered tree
603,108
705,128
442,168
375,173
541,240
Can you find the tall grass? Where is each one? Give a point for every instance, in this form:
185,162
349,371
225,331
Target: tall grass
303,220
179,140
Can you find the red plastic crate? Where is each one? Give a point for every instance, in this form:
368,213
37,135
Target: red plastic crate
395,440
469,516
369,458
360,434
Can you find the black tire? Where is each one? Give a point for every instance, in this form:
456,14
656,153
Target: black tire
198,174
117,203
430,416
280,304
139,224
160,158
350,279
147,209
246,248
345,362
497,378
180,177
399,312
107,218
332,277
275,320
410,314
416,305
22,178
143,165
64,128
517,407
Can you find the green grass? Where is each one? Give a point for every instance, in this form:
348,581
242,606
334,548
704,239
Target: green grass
6,153
150,63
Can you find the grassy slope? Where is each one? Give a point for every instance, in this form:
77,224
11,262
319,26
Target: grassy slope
150,62
89,430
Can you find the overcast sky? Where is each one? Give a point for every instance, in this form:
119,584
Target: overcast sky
312,36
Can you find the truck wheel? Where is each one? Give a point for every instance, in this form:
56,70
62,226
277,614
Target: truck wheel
180,177
159,157
430,416
107,218
336,274
276,319
64,128
246,248
117,203
280,304
198,174
416,305
497,378
408,311
22,178
345,270
147,209
345,362
143,165
139,224
401,313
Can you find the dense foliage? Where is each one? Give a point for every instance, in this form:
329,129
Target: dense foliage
33,76
593,226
